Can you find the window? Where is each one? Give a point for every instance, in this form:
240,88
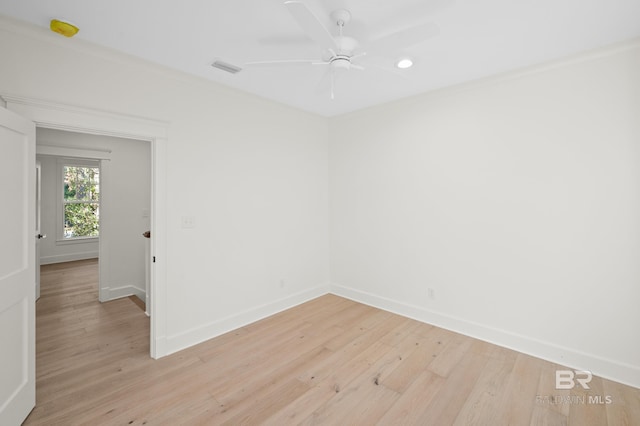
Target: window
80,200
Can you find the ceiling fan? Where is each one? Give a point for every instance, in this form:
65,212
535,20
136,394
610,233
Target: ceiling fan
341,52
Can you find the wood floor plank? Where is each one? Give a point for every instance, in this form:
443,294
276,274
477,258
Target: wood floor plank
198,409
329,378
548,396
624,409
363,403
234,388
590,405
354,352
266,331
328,361
413,402
363,400
261,405
363,324
135,398
521,391
455,348
545,416
425,349
487,397
449,401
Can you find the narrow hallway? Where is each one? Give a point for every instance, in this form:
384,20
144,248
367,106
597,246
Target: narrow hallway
81,343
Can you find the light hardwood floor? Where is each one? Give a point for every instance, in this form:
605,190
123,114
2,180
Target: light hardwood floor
330,361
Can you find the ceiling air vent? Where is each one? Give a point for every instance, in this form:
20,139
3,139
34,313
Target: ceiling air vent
233,69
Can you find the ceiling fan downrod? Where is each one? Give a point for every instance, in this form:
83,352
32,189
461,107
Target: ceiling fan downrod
341,17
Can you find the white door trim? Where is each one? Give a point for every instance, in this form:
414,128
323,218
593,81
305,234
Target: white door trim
39,235
53,115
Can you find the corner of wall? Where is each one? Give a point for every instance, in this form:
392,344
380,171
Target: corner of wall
113,293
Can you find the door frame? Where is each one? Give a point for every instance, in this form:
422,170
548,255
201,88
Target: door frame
53,115
39,235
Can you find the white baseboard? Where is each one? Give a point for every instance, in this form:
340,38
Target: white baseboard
607,368
197,335
122,291
60,258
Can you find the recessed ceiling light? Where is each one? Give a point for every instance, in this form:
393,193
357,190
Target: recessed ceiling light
404,63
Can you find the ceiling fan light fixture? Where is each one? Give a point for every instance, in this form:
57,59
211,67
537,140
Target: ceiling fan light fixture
404,63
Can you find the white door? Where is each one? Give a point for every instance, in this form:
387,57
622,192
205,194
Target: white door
17,271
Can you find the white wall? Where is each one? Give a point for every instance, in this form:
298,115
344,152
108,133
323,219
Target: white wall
252,173
516,199
124,211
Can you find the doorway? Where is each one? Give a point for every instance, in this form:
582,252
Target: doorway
52,115
96,203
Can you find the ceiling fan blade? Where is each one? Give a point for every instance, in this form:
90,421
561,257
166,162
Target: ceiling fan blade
324,85
282,62
333,83
285,40
403,38
310,23
327,85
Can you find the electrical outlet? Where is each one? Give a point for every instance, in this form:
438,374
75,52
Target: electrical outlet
431,293
188,222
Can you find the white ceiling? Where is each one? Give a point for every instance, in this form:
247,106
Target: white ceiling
476,38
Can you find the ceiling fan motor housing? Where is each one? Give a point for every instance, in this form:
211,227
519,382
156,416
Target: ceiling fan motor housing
346,44
341,61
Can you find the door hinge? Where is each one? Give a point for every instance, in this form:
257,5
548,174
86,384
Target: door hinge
154,259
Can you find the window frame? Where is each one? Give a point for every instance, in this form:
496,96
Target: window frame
61,164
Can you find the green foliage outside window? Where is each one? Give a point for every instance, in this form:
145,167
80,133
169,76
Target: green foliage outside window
81,201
